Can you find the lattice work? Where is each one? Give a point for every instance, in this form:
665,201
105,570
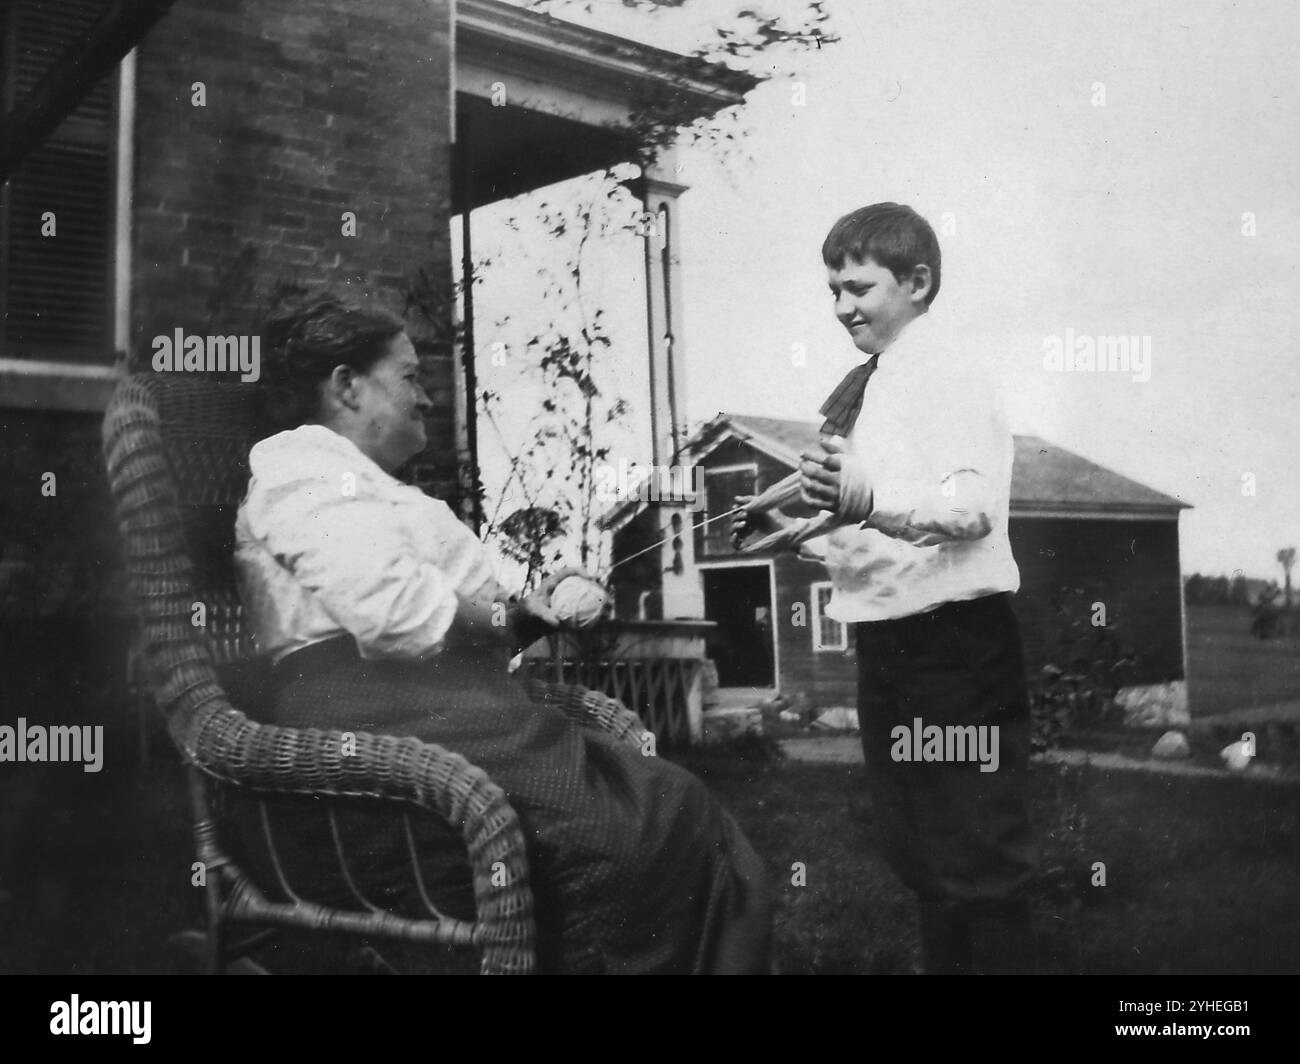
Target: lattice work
655,689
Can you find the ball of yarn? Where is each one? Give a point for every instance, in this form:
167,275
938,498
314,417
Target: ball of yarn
579,601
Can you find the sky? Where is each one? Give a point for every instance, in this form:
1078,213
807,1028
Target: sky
1093,170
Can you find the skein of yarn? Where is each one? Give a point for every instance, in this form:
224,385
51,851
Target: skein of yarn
579,601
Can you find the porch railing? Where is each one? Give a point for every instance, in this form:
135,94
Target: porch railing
653,667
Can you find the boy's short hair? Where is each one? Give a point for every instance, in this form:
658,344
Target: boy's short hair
892,234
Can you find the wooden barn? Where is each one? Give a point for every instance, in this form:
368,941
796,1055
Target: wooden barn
1092,546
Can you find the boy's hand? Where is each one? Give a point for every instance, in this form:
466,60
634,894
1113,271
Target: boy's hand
836,480
819,476
746,524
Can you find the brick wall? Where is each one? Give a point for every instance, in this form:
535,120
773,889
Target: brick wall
58,551
63,602
313,108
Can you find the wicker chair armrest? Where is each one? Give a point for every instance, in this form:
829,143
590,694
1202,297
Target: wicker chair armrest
591,708
230,747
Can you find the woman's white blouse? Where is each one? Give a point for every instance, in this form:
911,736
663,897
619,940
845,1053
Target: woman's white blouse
326,543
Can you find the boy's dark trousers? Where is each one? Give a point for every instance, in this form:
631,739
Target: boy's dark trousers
959,837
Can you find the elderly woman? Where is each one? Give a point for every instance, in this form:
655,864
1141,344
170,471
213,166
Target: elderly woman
382,614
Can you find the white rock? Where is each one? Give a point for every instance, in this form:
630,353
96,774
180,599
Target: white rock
1172,746
838,719
1237,756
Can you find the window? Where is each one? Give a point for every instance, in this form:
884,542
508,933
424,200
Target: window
721,486
827,633
56,292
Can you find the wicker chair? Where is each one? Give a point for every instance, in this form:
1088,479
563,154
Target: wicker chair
176,450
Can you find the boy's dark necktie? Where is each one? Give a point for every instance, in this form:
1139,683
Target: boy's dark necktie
845,403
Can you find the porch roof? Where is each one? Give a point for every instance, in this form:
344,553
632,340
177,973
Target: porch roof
572,93
572,97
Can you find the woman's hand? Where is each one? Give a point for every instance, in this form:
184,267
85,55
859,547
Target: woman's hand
532,616
485,617
535,610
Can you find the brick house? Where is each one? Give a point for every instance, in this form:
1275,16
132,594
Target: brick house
167,163
1081,534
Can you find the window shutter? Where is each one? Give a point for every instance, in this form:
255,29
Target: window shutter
57,291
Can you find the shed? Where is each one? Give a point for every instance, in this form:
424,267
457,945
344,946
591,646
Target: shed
1083,536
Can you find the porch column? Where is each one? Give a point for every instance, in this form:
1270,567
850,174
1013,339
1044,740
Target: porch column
663,275
675,513
466,375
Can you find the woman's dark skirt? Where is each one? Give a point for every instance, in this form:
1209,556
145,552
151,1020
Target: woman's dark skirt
634,866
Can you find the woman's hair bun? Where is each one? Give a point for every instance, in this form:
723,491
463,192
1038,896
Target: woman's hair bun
302,342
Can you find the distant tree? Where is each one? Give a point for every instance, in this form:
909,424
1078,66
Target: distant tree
1266,614
1287,558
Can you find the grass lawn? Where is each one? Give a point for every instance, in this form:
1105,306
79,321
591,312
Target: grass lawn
1201,876
1228,668
1230,672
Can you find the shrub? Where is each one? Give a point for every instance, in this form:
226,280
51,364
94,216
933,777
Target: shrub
1089,665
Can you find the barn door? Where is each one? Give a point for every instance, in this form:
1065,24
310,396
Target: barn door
739,599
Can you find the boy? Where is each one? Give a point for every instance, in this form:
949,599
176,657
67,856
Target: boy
917,471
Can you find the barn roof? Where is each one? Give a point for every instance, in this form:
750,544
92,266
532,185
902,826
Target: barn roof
1046,478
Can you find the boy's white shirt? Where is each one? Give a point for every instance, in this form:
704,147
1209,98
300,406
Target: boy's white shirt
936,445
328,543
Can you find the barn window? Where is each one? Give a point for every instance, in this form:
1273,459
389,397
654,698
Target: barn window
56,290
828,633
721,486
